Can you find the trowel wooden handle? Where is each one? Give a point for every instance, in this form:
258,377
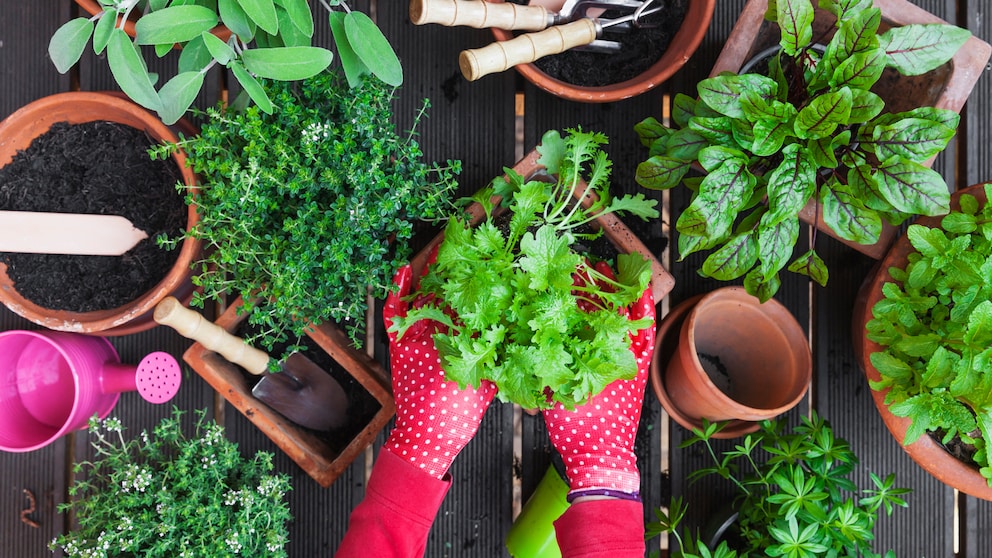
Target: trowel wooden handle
193,325
479,14
526,48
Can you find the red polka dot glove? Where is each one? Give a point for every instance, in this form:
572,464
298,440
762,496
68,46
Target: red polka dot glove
596,440
434,418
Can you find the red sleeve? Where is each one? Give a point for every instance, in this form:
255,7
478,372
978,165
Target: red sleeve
395,517
609,528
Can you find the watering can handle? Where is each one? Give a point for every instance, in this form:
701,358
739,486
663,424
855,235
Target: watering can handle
526,48
479,14
193,325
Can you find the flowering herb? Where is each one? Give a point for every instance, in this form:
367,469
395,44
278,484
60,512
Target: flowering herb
305,211
534,315
794,495
935,325
811,129
169,495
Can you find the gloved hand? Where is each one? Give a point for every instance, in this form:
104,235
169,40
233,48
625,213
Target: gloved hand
434,418
596,440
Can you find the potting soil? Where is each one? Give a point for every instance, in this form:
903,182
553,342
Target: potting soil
640,48
101,168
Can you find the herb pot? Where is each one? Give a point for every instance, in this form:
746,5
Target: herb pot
53,382
726,357
532,534
312,451
680,49
947,87
17,132
927,452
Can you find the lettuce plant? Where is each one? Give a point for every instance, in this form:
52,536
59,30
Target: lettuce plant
935,324
534,313
809,128
269,39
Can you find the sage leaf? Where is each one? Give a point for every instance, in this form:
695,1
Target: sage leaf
661,172
372,47
811,265
262,13
822,116
235,18
919,48
776,241
848,217
195,56
912,188
733,259
104,28
791,184
178,94
353,66
795,20
911,138
723,93
175,24
252,87
286,63
300,15
68,43
288,32
129,71
218,49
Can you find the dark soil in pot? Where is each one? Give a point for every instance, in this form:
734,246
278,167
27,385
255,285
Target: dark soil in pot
362,407
101,168
640,48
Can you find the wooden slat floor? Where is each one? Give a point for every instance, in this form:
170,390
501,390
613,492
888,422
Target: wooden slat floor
488,125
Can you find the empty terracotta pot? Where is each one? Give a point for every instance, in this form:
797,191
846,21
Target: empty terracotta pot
736,359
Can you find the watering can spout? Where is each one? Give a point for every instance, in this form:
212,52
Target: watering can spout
156,378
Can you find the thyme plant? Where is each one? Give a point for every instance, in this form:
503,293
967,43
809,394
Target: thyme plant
306,211
173,494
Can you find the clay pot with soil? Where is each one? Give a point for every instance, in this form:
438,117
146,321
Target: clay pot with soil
90,156
323,455
724,356
647,57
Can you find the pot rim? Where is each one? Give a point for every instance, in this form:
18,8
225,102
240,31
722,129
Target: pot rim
62,107
682,46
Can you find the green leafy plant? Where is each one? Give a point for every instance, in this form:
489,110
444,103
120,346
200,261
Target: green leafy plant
535,315
267,39
794,495
170,494
935,324
810,129
306,211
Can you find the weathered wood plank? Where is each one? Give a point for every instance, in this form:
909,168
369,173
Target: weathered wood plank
26,72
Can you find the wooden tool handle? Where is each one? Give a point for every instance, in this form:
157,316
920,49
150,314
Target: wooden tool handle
526,48
193,325
479,14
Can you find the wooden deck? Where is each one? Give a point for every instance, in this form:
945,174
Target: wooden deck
488,125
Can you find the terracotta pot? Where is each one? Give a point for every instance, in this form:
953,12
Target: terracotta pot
926,452
313,454
946,87
17,132
614,229
93,7
683,45
764,369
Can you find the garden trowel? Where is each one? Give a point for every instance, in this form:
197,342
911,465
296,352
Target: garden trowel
31,232
302,391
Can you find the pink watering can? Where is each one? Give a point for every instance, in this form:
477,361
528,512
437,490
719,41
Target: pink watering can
52,382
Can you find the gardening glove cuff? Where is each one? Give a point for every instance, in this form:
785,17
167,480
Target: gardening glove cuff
435,419
596,440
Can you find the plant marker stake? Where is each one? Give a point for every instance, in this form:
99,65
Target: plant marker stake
31,232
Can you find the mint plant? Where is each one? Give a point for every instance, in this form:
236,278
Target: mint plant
794,495
268,39
308,210
173,493
810,129
935,324
535,315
